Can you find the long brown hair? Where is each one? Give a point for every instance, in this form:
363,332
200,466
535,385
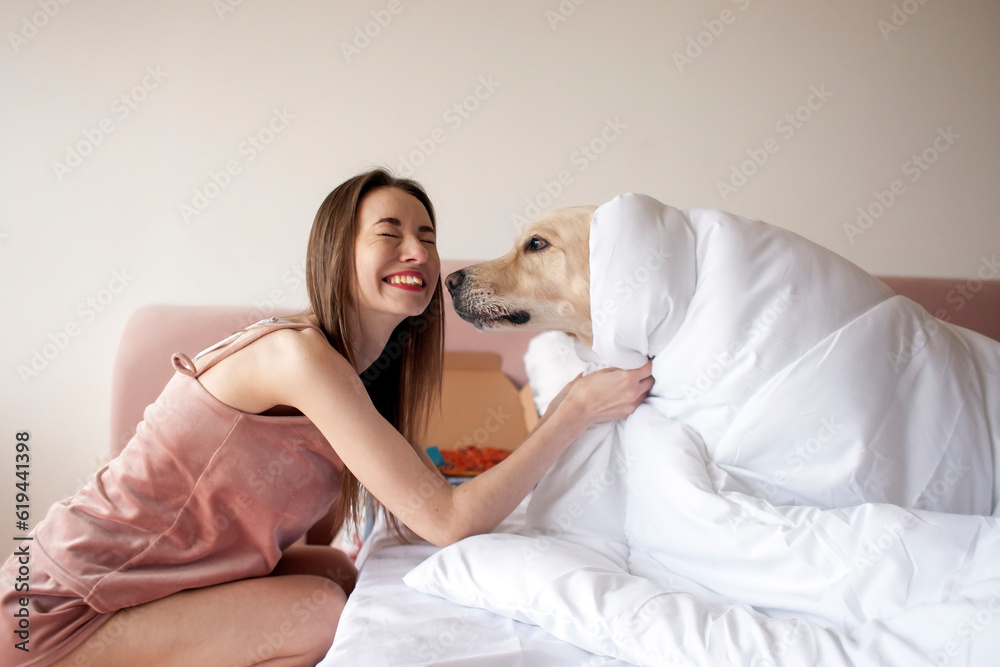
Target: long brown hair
404,383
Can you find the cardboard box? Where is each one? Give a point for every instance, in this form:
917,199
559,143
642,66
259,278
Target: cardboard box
479,405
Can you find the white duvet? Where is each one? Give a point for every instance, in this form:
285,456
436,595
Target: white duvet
811,481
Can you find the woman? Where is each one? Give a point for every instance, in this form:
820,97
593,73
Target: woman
136,568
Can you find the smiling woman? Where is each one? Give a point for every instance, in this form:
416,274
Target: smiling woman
383,226
134,568
395,245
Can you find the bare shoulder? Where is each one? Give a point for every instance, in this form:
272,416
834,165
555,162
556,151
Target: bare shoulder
308,340
305,372
294,350
277,369
303,357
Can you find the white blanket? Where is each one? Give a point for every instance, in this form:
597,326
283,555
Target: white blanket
812,480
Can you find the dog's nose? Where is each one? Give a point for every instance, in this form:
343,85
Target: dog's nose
455,279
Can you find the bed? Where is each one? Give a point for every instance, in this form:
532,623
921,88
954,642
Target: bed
387,622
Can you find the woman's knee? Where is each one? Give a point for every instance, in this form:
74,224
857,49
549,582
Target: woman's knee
315,612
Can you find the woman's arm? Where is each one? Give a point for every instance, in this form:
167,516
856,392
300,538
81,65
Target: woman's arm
314,378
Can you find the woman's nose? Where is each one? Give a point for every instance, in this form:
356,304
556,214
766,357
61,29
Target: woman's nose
414,249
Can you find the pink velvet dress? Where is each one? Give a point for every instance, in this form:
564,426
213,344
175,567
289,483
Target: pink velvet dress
203,494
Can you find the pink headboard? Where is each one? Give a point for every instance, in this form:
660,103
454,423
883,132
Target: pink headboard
973,304
153,333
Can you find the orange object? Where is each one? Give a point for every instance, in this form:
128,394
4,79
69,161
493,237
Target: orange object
471,461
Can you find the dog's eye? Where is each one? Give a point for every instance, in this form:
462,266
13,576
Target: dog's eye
536,243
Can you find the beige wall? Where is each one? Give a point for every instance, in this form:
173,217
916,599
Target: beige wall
499,107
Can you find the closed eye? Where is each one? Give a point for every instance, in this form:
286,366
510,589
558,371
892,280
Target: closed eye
397,236
535,244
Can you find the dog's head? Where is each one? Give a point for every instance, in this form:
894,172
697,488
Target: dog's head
543,284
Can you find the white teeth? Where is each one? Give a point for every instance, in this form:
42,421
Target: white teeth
405,280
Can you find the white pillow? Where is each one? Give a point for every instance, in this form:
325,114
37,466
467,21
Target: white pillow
550,363
583,598
574,593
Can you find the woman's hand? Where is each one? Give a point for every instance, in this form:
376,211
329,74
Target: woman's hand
606,395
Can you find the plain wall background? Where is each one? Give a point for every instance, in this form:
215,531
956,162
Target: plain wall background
491,105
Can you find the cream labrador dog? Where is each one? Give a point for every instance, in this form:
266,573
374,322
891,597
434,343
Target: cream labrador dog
542,284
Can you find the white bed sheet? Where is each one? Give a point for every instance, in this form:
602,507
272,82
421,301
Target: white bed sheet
387,623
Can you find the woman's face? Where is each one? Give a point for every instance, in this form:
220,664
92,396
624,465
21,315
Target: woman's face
396,258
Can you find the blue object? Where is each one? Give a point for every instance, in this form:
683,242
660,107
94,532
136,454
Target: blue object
435,455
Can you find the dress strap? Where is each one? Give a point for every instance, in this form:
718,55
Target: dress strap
242,338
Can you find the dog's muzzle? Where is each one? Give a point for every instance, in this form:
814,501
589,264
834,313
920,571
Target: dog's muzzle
475,303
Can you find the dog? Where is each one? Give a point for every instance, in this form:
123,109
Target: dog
542,284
